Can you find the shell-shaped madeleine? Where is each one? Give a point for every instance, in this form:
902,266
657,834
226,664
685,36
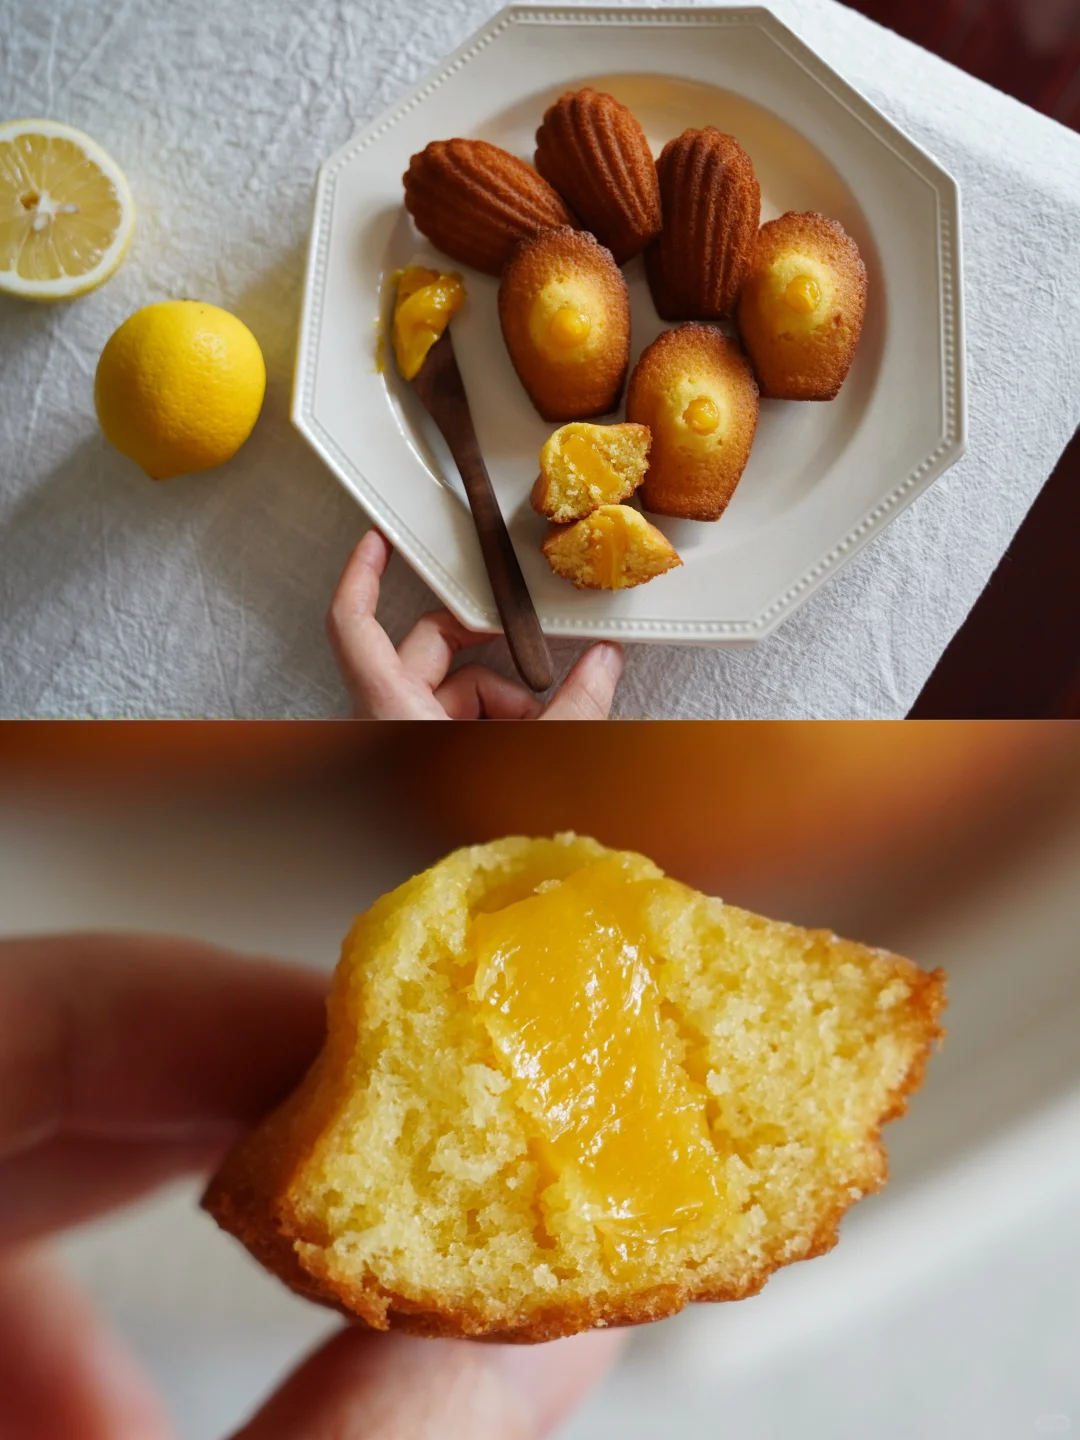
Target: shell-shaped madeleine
695,390
712,208
476,202
596,155
565,316
802,307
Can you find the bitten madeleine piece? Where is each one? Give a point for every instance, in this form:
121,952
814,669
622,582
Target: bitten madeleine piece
475,202
585,466
561,1090
565,316
614,548
802,307
595,154
712,208
695,390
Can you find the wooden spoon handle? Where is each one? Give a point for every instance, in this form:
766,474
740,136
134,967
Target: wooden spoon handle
521,624
442,392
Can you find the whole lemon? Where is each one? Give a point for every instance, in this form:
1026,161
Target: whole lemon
179,387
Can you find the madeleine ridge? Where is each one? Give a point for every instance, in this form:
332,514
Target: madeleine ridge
712,209
802,307
593,151
476,202
561,1090
565,316
694,389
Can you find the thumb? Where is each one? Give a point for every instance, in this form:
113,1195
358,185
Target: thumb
364,1386
588,690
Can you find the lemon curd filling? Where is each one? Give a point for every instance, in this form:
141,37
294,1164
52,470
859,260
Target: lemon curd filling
425,304
570,327
568,992
702,415
803,295
588,460
610,544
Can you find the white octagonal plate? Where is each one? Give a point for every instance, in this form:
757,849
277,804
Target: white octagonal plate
822,479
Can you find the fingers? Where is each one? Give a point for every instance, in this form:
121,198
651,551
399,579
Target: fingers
378,685
411,683
473,693
589,689
428,650
139,1039
396,1387
62,1371
71,1180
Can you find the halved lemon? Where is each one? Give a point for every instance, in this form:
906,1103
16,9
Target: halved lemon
66,213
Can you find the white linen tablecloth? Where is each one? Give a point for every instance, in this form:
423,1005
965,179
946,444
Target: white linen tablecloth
206,596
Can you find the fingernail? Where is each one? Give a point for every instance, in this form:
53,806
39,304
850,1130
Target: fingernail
612,658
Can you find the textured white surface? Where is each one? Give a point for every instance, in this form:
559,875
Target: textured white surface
949,1311
206,597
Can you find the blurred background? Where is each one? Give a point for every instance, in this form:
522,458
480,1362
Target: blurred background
951,1307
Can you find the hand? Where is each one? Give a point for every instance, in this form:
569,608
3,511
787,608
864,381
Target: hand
125,1061
413,681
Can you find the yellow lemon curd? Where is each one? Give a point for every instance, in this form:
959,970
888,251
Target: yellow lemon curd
611,542
590,462
570,327
566,319
570,1000
425,304
702,415
803,295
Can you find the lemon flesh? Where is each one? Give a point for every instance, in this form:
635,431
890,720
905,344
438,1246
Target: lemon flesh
179,387
66,213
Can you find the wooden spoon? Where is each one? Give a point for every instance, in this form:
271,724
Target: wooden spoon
439,385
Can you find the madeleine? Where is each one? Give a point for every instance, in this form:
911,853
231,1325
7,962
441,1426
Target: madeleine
695,391
561,1090
802,307
712,208
565,317
475,202
595,154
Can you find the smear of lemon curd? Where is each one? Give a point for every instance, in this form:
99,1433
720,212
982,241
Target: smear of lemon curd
588,460
426,302
569,997
612,543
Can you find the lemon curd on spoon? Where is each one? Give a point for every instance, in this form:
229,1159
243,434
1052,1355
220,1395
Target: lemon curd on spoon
425,304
